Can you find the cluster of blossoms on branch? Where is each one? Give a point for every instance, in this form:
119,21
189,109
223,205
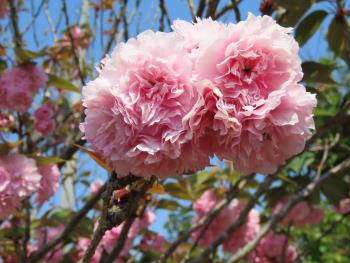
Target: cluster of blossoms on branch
272,248
20,178
17,86
164,103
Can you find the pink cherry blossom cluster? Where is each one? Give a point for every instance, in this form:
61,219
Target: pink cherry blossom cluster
270,249
274,248
3,8
164,103
343,206
80,38
301,214
20,178
222,221
17,86
43,120
111,237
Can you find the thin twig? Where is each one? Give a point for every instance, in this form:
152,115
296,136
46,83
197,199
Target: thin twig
75,55
192,8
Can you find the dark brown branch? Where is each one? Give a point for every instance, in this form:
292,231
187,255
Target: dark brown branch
201,7
15,23
213,5
236,10
113,216
74,51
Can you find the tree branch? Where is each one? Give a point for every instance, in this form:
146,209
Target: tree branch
114,216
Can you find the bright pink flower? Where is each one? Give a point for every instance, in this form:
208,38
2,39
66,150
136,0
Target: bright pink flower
3,8
49,182
19,178
135,108
95,186
226,217
255,66
272,248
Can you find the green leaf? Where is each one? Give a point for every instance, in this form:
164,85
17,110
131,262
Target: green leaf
61,83
294,10
168,204
41,160
177,190
309,25
315,72
24,55
336,36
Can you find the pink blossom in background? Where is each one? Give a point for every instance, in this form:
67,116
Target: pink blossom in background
153,242
49,182
95,186
3,8
43,121
302,213
344,206
18,84
226,217
271,249
80,39
83,244
6,120
135,108
43,236
19,178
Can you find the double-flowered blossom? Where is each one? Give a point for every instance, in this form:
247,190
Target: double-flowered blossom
135,108
164,103
251,71
43,120
49,183
17,86
223,220
274,248
20,178
301,214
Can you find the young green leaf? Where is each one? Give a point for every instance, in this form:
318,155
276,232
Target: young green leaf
309,25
